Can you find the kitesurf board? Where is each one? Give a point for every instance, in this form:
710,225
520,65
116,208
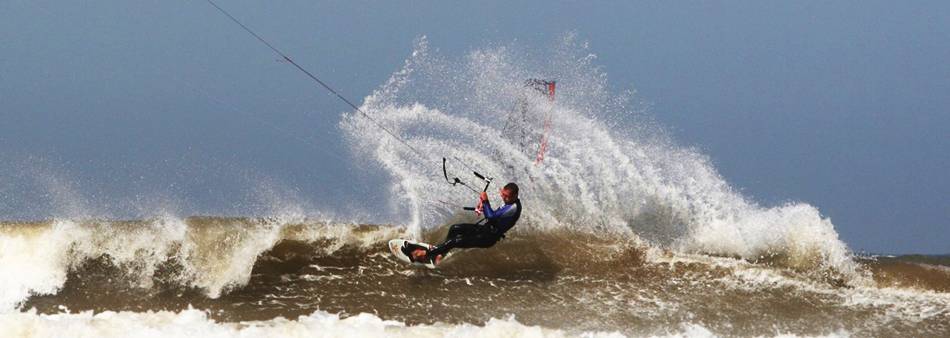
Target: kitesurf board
396,247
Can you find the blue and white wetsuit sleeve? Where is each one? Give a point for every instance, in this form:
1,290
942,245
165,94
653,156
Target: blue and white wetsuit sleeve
492,214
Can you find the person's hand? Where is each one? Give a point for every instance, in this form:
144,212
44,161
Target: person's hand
482,197
479,208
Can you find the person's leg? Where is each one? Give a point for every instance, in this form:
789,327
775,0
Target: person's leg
456,231
481,241
469,240
461,229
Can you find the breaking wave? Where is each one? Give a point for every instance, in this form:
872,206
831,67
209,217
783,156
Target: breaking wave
210,254
608,169
246,272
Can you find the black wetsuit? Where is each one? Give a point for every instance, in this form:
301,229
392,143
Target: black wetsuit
483,234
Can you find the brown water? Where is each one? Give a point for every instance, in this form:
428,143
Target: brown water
562,280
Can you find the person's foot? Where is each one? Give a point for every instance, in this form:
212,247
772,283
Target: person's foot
435,260
419,255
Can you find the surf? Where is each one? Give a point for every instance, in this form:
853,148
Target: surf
608,168
245,272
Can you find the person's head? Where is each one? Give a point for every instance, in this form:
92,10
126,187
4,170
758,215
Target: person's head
509,193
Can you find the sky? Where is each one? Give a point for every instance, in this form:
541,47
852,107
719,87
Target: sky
121,107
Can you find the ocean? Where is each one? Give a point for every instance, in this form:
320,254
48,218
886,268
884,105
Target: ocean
213,276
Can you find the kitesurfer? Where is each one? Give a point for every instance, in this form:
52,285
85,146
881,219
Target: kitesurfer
483,234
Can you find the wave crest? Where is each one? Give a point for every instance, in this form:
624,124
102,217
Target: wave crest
609,169
211,254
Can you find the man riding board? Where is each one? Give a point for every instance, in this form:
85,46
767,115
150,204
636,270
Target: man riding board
483,234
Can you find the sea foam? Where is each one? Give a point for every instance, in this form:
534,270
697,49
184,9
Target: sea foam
196,323
608,169
214,254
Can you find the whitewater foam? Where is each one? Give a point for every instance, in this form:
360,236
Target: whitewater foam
32,262
195,323
623,292
601,174
900,304
214,255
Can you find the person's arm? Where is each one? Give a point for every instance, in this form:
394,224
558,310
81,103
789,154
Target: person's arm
480,207
490,214
487,210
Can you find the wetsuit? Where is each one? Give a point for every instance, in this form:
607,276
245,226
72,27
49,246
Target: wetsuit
482,234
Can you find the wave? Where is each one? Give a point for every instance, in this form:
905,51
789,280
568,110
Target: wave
208,253
191,323
911,272
258,269
608,170
218,254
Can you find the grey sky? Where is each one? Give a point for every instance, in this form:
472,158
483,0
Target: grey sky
844,105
